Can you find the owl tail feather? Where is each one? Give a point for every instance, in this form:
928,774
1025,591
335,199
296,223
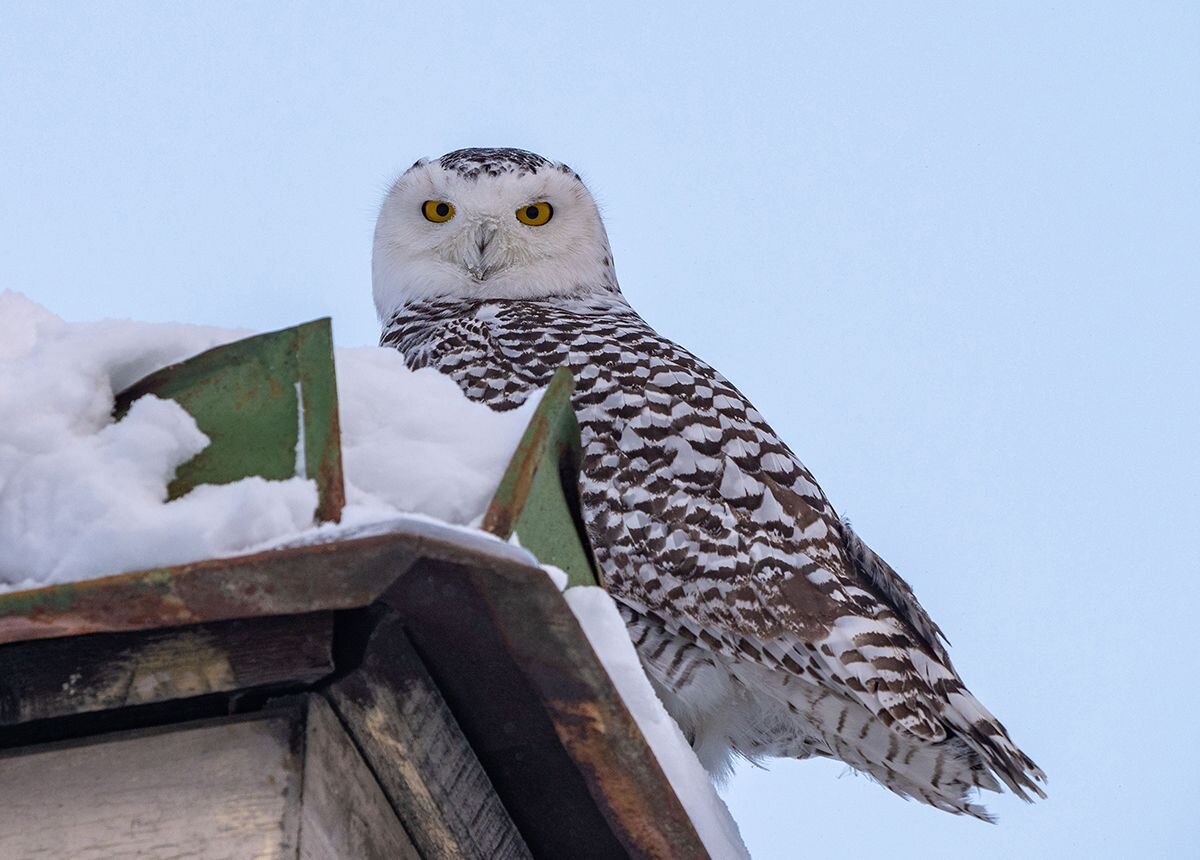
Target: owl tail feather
987,738
945,775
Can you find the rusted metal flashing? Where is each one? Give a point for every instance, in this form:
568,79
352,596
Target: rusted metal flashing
340,575
543,716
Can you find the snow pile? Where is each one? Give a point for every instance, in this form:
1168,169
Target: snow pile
82,496
412,442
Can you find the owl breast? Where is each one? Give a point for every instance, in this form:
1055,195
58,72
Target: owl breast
683,482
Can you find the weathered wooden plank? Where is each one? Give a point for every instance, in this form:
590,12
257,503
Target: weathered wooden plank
344,813
213,789
430,774
545,720
56,677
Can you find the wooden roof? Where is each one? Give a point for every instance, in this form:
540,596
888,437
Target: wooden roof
371,625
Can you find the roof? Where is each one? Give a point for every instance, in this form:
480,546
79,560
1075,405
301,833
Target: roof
500,643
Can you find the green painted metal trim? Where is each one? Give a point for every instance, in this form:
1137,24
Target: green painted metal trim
322,430
538,495
252,398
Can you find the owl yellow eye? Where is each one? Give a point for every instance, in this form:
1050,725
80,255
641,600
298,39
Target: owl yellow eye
437,211
535,214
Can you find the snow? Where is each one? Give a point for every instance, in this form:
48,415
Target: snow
412,442
605,630
83,496
301,467
418,526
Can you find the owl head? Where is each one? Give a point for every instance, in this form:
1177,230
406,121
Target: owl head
488,224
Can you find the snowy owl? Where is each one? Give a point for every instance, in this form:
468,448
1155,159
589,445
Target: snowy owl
766,625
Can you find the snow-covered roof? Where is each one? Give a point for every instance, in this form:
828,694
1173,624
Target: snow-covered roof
82,496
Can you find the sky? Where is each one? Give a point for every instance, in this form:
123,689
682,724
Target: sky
949,251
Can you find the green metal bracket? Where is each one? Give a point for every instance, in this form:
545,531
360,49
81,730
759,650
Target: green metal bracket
269,406
246,397
538,495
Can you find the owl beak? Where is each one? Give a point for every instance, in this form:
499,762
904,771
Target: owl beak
483,236
477,262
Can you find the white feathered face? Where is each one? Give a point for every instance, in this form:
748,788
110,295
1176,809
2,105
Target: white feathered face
488,224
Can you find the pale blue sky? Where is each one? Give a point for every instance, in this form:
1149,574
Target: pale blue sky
950,252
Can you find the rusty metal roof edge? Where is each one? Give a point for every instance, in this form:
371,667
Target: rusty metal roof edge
343,574
552,654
